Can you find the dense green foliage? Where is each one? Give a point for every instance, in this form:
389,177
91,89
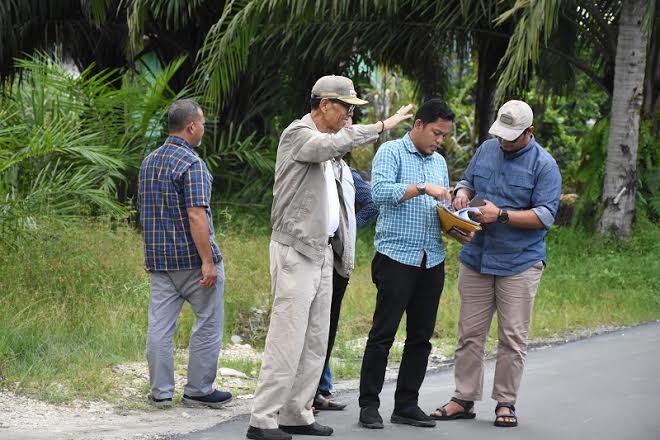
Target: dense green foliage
244,59
71,143
593,148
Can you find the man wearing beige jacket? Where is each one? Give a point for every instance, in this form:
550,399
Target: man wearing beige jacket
306,231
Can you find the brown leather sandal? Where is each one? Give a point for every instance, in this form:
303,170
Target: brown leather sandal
467,413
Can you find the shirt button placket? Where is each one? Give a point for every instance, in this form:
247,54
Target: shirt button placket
424,202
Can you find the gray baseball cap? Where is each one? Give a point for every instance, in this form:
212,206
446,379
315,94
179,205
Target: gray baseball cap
512,119
336,87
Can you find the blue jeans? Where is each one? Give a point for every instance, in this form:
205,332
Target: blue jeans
326,379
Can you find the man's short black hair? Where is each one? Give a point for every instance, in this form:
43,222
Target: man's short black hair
434,109
315,102
181,113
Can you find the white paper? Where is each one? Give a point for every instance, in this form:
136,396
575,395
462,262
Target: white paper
463,213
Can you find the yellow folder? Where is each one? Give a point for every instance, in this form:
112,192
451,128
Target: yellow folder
450,220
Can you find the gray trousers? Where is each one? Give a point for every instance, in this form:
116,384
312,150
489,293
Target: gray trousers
168,292
297,338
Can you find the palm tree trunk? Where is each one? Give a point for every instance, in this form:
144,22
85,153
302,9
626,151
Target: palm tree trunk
490,52
652,81
621,167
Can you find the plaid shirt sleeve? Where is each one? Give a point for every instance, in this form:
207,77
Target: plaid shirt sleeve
196,185
385,189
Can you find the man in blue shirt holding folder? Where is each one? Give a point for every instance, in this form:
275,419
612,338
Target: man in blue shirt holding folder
501,266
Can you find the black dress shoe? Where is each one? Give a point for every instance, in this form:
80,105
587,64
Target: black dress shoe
267,434
370,418
413,416
313,429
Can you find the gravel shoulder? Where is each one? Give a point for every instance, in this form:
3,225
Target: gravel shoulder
23,418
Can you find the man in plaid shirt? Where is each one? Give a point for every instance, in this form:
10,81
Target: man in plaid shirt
183,260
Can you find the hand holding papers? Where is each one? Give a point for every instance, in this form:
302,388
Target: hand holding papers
460,219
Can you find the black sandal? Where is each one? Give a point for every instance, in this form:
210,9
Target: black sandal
511,415
467,412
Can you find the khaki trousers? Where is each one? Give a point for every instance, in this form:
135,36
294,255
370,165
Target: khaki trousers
297,338
481,295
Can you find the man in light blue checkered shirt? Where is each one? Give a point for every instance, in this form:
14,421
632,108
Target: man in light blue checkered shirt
409,177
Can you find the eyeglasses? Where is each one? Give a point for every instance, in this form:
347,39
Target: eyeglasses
350,108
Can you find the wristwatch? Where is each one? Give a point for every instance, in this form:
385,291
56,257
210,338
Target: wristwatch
421,187
503,216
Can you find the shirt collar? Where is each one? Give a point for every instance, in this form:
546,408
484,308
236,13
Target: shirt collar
408,144
520,152
307,120
411,148
176,140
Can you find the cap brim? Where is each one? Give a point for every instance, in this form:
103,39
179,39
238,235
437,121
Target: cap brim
352,100
508,134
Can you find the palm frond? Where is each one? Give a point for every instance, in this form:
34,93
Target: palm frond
63,139
135,14
224,53
97,11
535,23
322,30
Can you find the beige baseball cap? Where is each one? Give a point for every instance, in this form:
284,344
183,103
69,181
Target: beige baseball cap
336,87
512,119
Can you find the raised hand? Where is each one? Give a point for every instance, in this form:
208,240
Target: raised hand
401,115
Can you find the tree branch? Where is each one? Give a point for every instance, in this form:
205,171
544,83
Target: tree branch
584,68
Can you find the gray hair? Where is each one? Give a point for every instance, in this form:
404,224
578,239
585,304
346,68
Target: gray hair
181,113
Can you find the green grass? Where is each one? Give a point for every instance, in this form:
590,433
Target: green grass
73,303
74,300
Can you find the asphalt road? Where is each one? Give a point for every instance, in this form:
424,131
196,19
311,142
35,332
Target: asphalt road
605,387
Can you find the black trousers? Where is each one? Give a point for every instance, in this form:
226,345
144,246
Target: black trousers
339,285
401,288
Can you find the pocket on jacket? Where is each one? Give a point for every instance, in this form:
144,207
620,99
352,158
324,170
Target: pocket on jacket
521,187
482,180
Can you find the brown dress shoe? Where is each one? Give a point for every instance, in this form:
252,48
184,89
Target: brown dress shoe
323,404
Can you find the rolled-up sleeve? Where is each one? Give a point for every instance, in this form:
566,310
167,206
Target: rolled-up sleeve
545,197
384,188
464,184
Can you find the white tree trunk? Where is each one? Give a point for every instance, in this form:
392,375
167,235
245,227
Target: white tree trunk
621,166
